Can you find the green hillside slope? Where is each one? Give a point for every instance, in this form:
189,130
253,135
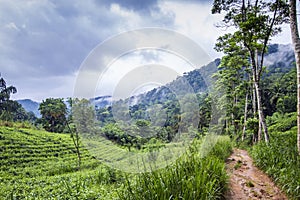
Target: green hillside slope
40,165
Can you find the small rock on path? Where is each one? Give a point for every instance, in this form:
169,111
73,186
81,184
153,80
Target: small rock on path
247,181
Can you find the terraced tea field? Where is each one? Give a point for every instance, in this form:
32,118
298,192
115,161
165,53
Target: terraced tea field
37,165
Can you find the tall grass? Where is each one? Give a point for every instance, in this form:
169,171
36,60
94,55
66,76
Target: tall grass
191,177
280,160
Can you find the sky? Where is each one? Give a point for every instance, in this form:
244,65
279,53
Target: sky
45,45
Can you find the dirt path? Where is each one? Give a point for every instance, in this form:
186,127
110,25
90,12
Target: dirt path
247,181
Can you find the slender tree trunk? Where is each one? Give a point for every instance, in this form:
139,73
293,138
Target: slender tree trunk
262,121
256,88
254,109
78,150
75,138
245,117
296,43
256,78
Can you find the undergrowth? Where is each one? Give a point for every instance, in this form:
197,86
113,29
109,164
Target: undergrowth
191,177
280,160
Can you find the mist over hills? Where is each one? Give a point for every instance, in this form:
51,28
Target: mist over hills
280,58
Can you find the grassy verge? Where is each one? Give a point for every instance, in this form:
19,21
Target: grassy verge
191,177
280,161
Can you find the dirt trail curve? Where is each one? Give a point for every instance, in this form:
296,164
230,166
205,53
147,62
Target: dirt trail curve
247,181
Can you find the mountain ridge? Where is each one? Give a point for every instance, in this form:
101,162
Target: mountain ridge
280,58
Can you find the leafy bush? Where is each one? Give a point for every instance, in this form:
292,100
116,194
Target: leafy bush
281,161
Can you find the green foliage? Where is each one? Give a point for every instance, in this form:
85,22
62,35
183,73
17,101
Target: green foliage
204,111
83,115
5,92
23,124
232,83
255,23
11,110
222,148
128,139
280,91
238,164
104,115
249,184
281,161
282,122
53,113
190,177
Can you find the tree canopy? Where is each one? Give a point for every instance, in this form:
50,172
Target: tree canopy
53,113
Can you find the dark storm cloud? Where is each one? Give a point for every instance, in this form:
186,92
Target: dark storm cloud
45,36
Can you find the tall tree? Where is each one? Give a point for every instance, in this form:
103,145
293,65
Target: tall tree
255,22
53,114
296,43
83,114
232,82
7,106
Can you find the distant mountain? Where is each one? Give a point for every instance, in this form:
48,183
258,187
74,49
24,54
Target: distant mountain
30,105
195,81
279,59
33,106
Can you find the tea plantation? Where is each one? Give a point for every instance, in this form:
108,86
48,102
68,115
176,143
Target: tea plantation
37,164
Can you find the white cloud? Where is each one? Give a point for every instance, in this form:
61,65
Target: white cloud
134,66
115,58
43,87
12,26
196,21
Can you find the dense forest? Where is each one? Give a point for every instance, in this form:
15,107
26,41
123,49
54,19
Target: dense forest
252,104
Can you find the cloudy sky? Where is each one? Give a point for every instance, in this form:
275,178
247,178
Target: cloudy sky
44,44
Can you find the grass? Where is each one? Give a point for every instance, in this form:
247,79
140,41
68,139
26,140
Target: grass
36,164
280,160
249,184
238,164
190,177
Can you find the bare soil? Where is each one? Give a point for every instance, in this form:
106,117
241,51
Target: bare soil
247,181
